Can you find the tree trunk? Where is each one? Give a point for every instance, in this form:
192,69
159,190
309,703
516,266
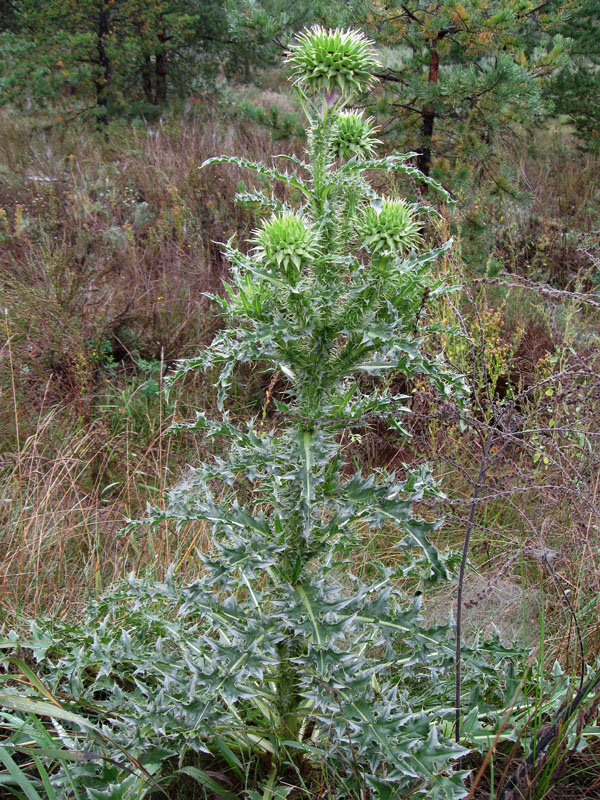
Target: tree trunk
146,72
161,69
102,81
428,115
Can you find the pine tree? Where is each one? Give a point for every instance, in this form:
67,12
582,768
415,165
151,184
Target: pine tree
176,45
462,75
105,55
113,51
56,49
576,88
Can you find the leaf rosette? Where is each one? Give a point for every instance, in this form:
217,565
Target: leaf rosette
332,60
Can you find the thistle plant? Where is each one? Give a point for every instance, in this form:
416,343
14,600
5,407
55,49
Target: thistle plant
286,244
280,655
296,673
300,659
354,136
388,228
325,61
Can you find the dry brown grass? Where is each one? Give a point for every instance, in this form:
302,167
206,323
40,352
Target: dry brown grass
62,515
539,239
108,246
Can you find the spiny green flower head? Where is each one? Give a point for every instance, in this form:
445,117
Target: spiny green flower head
388,227
332,60
287,243
354,136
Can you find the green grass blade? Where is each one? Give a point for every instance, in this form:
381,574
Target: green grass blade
45,779
19,777
208,782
